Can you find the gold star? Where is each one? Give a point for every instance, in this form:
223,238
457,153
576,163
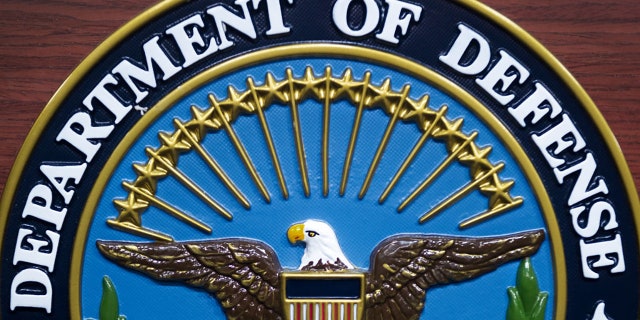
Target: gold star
308,83
172,145
381,95
327,90
219,116
236,104
498,192
148,175
347,86
271,90
385,97
419,112
476,159
201,121
131,209
450,132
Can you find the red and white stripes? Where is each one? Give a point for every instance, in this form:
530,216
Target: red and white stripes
323,311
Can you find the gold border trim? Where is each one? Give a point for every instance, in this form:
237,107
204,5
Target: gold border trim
157,10
188,136
336,51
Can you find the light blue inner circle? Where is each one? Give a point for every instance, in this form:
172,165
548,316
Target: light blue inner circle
359,224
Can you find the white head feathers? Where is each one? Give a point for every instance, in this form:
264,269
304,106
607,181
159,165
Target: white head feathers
322,245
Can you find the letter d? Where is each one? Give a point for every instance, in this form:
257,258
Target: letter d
41,300
453,58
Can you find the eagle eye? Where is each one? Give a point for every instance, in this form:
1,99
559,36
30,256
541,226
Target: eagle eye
312,234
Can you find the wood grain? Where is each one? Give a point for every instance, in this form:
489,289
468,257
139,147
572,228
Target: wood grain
42,41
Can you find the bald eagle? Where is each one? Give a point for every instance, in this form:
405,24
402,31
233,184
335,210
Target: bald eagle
244,275
322,250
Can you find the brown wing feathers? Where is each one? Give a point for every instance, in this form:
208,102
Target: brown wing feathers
403,267
242,274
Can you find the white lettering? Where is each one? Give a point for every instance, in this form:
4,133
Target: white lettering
341,19
599,313
224,18
147,76
59,176
399,15
107,98
35,255
454,58
78,131
39,204
583,188
274,12
601,250
38,299
505,71
593,219
537,105
563,135
186,43
560,143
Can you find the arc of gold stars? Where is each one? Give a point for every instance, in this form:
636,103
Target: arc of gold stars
292,90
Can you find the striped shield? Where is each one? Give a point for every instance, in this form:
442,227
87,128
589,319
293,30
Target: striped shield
323,295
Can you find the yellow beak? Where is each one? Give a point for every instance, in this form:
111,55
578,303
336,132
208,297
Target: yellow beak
296,233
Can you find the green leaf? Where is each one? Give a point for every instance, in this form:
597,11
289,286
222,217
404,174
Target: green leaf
537,313
515,310
109,309
526,302
527,285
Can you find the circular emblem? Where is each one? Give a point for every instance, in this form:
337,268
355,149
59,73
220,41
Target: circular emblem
342,159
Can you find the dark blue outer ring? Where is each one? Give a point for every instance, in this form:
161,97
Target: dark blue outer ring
311,22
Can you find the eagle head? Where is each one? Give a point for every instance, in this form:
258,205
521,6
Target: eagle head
322,250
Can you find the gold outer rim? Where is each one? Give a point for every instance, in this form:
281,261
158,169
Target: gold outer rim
336,51
157,10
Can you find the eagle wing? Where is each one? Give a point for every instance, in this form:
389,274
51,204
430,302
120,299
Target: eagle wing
242,274
403,267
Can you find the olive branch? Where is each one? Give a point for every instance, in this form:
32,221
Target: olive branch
109,306
526,302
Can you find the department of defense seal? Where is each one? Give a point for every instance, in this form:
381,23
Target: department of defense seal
344,159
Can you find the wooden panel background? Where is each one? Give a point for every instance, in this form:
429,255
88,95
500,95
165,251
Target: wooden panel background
42,41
